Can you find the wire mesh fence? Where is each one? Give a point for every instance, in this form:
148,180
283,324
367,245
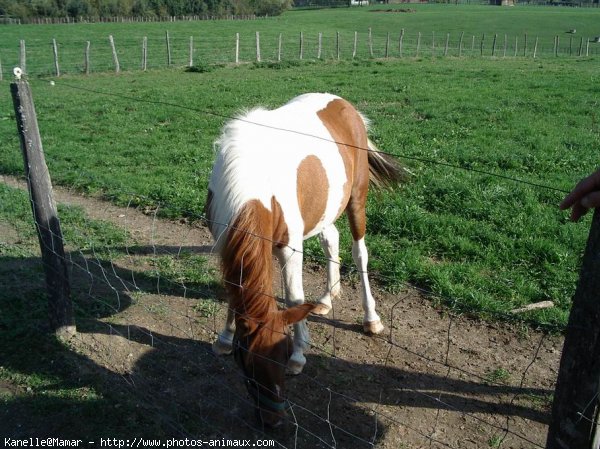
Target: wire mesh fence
74,56
149,305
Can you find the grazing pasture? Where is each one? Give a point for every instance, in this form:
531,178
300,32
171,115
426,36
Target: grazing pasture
482,243
492,143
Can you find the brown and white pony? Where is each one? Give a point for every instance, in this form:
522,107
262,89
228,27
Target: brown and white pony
280,177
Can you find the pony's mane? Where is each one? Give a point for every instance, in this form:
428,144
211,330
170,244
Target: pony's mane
247,262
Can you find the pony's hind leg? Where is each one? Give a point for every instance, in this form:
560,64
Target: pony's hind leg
330,242
291,265
372,322
223,345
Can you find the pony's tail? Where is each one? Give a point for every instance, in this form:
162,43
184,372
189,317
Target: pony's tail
246,258
385,172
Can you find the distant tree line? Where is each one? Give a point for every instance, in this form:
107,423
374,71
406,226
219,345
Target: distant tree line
24,9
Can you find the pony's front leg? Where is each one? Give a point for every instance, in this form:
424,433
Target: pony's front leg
330,242
372,322
223,345
291,265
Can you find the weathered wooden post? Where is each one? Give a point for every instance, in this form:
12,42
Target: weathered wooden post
191,61
168,40
114,54
319,45
60,308
237,48
576,403
447,44
86,58
258,46
279,44
144,53
55,52
400,42
22,56
301,45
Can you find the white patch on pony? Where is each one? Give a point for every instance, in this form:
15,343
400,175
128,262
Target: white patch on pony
258,158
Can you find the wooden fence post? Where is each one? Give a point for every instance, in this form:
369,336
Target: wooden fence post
320,45
114,54
258,46
191,61
418,44
0,69
387,46
575,408
481,44
355,44
447,44
237,48
370,43
337,45
144,53
400,42
86,59
169,59
460,43
587,48
494,44
22,56
55,51
60,308
535,47
301,45
279,45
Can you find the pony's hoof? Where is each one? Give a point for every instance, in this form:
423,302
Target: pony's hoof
373,327
222,347
294,368
295,364
321,309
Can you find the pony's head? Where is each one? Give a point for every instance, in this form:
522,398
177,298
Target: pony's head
262,350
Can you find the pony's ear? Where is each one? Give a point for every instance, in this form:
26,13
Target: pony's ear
297,313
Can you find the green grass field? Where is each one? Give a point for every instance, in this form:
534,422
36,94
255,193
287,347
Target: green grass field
214,41
480,243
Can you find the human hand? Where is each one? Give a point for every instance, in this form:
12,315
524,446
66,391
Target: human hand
585,196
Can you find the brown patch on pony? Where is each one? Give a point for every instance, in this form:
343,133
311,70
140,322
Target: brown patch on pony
312,191
348,129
